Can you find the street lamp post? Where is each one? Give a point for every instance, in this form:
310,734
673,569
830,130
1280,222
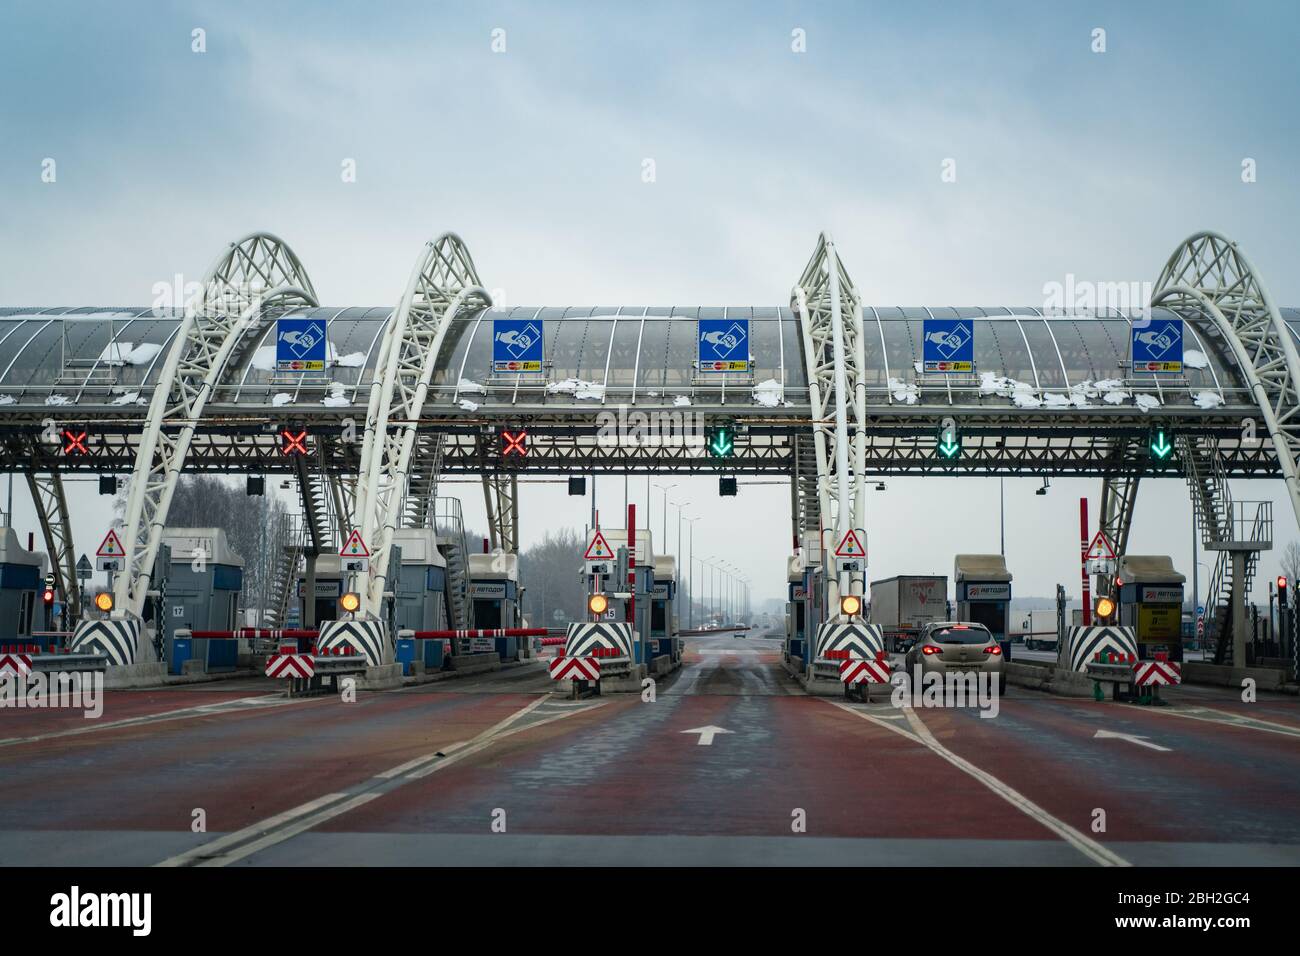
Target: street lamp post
690,572
665,489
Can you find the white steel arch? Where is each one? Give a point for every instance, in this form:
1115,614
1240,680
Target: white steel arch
443,282
255,279
830,322
1209,278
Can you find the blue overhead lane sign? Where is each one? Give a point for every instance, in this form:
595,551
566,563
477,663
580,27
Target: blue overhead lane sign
517,345
300,345
948,345
724,345
1158,346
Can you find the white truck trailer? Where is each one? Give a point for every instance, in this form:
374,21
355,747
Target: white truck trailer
1038,629
901,604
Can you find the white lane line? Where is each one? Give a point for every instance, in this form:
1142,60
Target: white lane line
252,839
229,839
1080,841
475,748
1232,720
186,713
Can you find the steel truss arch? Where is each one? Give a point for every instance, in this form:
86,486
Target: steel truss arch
254,280
830,321
1209,279
443,283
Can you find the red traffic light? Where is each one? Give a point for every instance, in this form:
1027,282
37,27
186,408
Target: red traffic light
1281,582
47,596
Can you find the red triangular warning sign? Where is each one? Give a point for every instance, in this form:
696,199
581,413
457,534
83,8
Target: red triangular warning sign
111,546
1101,548
354,547
598,549
850,546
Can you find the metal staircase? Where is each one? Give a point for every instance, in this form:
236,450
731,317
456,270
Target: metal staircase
451,542
422,485
1241,528
808,505
317,502
286,574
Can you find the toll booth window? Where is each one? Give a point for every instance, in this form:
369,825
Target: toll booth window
657,616
960,635
326,610
798,618
992,615
25,605
487,614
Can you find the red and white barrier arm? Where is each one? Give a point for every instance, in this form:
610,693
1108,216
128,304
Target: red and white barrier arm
481,632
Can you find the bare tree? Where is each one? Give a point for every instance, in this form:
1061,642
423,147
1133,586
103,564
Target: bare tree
552,573
256,528
1290,561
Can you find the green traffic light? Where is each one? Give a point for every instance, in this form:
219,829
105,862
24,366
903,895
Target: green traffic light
722,444
950,449
1161,447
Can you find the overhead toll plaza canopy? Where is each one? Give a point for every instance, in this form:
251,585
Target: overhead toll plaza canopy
1024,360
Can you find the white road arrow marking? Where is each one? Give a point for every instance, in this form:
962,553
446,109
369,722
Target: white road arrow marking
706,734
1131,738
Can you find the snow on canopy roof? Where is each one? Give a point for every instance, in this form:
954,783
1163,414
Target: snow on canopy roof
637,353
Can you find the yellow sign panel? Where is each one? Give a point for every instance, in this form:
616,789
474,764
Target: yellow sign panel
1159,623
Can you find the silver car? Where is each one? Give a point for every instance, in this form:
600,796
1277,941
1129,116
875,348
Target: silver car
957,646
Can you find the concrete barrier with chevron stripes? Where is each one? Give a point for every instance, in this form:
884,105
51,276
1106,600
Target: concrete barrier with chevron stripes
1167,673
575,668
291,665
368,638
20,665
861,641
118,640
584,638
1086,642
853,672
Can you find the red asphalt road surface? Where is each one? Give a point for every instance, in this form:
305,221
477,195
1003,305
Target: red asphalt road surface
1216,784
17,722
634,768
240,767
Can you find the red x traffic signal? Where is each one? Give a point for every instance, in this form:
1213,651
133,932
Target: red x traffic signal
514,443
293,443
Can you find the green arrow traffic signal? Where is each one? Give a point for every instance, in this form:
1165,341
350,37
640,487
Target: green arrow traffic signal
1161,447
949,440
721,442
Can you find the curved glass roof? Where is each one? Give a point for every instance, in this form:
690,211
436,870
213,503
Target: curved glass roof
618,354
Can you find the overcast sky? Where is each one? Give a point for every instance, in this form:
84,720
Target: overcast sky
1068,161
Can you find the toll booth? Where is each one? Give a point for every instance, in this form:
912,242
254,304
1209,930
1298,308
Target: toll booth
1151,603
663,602
420,590
984,594
796,626
420,601
201,593
20,585
319,601
494,592
815,594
